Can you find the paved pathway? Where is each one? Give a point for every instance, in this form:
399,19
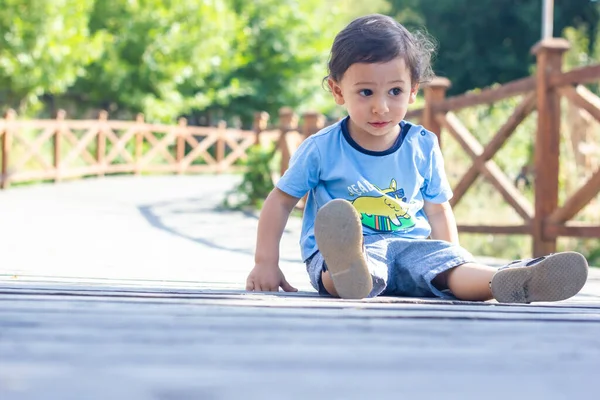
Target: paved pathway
132,288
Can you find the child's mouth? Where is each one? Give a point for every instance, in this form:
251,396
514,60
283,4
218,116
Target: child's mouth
378,124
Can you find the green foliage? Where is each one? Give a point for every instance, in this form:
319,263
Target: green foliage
44,47
489,41
280,54
157,54
168,58
220,58
257,181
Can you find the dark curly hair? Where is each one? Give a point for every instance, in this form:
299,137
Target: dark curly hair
378,38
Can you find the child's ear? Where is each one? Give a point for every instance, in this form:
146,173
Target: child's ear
336,90
413,93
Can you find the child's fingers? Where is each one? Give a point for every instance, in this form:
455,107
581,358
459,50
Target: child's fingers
249,285
287,287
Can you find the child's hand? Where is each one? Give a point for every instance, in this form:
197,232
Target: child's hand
267,278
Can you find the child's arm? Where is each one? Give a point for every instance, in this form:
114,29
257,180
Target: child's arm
441,219
266,276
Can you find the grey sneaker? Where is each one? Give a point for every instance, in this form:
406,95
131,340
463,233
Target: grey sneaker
338,232
553,277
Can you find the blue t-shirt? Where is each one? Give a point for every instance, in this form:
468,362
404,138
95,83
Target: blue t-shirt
387,188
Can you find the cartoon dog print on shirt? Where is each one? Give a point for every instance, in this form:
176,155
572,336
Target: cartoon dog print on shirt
387,212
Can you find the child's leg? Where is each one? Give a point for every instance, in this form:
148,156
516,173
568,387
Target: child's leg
468,281
550,278
328,284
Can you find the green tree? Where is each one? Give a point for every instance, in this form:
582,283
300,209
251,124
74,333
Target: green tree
280,54
155,51
489,41
44,47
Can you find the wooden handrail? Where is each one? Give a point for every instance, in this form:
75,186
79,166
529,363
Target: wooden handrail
496,229
486,96
576,76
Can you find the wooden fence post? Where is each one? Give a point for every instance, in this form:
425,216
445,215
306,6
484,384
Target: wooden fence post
180,143
220,152
60,117
101,141
312,122
549,53
9,116
434,91
139,143
287,122
261,120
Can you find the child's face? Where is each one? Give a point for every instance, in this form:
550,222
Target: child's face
377,98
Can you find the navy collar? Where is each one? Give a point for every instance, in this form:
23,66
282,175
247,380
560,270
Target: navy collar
404,128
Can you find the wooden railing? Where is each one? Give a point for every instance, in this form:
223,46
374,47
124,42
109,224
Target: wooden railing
59,149
545,219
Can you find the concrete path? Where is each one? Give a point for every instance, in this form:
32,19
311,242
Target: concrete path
132,288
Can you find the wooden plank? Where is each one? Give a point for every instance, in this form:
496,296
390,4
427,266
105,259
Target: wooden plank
577,201
79,172
201,168
486,96
180,143
496,229
160,168
576,76
101,142
547,147
57,145
220,147
62,306
573,230
434,92
118,168
31,175
583,98
521,112
5,144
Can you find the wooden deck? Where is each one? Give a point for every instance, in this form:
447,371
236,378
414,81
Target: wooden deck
132,288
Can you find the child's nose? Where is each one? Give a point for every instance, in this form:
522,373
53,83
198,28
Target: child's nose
380,106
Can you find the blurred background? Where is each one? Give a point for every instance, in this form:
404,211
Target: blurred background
210,60
225,60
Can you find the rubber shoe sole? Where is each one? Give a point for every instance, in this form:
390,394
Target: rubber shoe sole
558,277
338,232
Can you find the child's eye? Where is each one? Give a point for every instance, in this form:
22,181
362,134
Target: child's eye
366,92
396,91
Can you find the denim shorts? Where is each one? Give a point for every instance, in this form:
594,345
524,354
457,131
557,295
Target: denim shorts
400,266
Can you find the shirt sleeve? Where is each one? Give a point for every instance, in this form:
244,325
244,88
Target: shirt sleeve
303,172
436,188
